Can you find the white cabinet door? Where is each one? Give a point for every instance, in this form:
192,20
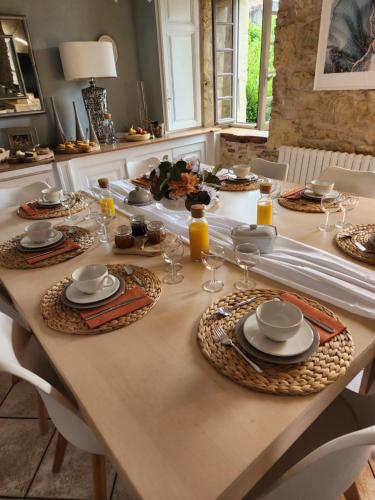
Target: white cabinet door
26,176
195,151
179,44
87,174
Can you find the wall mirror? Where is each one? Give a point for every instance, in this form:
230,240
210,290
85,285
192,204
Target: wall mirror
20,92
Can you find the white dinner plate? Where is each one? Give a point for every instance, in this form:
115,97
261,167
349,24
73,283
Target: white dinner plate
26,241
248,178
309,193
74,295
298,344
44,203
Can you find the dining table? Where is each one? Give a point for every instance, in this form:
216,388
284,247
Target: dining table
172,426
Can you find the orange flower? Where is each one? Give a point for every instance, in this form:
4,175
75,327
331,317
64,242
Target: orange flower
186,185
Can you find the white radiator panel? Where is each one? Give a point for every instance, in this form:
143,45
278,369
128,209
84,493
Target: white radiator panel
306,164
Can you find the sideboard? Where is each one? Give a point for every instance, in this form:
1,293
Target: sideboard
74,172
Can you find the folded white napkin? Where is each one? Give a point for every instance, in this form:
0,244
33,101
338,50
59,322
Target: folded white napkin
310,270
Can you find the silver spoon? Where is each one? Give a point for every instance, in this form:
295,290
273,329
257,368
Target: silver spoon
226,311
130,273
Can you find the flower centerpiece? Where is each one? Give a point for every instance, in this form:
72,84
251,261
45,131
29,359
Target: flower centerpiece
183,184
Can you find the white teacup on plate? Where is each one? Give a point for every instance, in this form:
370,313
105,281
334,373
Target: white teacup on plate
278,320
39,232
51,195
241,171
321,187
92,278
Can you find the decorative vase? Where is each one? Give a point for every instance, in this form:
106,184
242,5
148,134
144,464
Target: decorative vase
92,134
79,132
59,131
95,99
174,205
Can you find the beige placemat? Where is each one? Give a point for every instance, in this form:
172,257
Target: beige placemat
66,320
79,205
300,205
232,186
324,367
361,233
11,258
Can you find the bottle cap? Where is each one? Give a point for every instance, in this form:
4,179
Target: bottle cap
197,211
265,187
103,182
107,116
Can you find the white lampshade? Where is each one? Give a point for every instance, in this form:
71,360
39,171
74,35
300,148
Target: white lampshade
84,60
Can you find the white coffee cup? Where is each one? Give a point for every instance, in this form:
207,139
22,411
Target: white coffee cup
39,232
241,171
278,320
92,278
51,195
321,187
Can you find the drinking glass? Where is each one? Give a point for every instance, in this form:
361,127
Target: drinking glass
329,206
213,258
247,256
275,193
348,203
89,202
68,200
103,221
172,250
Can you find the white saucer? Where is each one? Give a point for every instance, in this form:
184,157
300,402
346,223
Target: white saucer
26,241
296,345
48,203
247,178
309,193
74,295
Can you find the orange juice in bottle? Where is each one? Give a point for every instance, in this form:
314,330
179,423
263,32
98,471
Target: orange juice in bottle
106,201
198,232
264,204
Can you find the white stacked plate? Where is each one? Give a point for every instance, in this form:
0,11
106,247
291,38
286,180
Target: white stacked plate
309,193
241,180
48,204
28,245
74,298
296,350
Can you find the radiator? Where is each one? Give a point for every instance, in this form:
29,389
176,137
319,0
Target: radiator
306,164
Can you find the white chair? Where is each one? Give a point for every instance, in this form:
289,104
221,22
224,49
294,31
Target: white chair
329,456
16,195
269,169
136,168
18,347
351,181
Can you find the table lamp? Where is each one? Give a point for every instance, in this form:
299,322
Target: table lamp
88,61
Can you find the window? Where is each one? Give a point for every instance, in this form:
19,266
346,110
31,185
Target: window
243,58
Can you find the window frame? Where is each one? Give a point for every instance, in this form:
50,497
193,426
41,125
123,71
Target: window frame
261,123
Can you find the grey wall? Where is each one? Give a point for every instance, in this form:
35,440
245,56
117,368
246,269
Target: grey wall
147,49
53,21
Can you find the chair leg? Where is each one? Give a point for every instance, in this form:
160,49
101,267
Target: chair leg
59,453
99,477
42,416
352,493
368,378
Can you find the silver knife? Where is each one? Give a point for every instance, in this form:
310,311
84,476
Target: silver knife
317,322
362,248
113,308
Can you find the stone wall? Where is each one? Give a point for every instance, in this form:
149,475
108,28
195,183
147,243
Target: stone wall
334,120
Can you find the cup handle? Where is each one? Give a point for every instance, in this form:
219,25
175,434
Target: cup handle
52,233
108,281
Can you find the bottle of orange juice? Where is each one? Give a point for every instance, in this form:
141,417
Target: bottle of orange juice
106,201
264,204
198,232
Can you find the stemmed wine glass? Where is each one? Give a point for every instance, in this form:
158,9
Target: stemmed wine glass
329,206
68,200
213,258
89,202
103,221
275,193
247,256
348,203
172,250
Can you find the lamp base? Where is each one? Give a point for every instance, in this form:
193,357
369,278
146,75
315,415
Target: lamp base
95,99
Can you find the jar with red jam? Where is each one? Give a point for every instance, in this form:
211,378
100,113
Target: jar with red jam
155,232
124,237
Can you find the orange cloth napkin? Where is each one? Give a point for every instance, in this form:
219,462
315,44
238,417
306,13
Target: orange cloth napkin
293,194
65,247
137,291
31,210
315,313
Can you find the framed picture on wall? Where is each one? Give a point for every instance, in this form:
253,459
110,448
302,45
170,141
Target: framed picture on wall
346,50
21,138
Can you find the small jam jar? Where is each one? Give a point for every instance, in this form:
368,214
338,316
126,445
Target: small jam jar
155,232
138,223
124,237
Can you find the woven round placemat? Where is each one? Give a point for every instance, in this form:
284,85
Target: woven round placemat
66,320
11,258
232,186
301,205
329,362
361,233
52,213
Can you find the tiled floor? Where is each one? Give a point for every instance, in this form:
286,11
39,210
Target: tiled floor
26,456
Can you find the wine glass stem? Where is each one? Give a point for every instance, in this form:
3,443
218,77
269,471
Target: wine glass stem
327,219
343,217
69,213
213,278
246,275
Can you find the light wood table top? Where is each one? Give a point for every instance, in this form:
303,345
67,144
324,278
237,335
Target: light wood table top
172,425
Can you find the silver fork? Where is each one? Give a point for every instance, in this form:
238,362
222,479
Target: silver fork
226,311
223,338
